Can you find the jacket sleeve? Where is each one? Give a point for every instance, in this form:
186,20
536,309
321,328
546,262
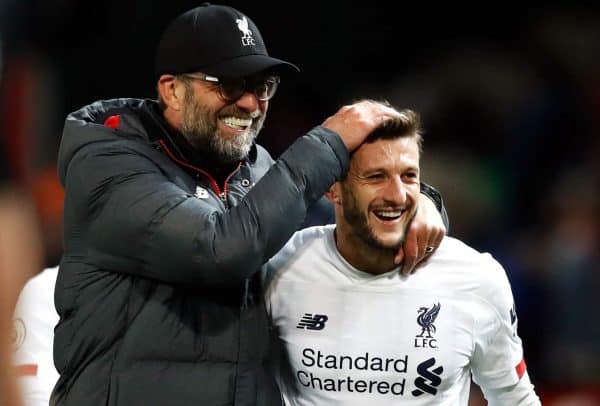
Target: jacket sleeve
125,215
436,197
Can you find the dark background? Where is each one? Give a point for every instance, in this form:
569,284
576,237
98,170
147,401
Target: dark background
510,100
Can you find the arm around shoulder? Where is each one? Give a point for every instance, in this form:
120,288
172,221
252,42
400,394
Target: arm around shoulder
436,198
134,219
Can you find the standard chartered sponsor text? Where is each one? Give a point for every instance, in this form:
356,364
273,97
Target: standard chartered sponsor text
384,381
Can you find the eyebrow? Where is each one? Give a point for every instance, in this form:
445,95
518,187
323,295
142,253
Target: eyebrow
383,169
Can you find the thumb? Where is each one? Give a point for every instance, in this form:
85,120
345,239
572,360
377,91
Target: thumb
399,256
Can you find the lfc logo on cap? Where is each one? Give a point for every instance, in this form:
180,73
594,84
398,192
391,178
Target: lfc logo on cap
247,38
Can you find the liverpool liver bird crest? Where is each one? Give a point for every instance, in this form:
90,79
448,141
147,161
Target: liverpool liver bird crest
426,318
242,24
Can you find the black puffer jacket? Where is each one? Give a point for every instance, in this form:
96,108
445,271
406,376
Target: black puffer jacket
157,292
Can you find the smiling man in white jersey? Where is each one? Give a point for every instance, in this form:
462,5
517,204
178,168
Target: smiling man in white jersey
353,330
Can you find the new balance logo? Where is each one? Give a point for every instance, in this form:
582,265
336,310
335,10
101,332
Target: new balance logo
513,320
513,315
429,380
313,322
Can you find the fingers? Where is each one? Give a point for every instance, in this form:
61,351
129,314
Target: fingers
436,240
356,121
426,249
399,256
423,236
411,252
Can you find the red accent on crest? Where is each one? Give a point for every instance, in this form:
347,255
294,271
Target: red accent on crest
112,121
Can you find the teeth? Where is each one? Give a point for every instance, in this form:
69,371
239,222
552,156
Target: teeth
237,122
389,214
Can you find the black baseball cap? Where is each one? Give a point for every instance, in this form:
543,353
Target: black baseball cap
216,40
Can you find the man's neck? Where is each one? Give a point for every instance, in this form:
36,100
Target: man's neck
363,257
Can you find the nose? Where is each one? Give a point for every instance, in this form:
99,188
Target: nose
248,101
395,191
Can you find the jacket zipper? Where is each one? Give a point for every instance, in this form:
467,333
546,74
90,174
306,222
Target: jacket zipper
222,195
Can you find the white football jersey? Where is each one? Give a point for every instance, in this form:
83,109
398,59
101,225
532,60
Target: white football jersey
34,320
347,337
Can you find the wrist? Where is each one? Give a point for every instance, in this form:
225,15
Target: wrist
433,195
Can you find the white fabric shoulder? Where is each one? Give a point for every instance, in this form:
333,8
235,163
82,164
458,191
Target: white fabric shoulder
478,273
34,320
299,243
40,287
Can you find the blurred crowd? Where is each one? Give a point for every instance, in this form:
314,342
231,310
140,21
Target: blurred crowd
512,125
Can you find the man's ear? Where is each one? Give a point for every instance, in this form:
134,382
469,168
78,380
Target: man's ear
335,193
171,92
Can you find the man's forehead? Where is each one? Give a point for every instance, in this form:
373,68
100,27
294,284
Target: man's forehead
386,152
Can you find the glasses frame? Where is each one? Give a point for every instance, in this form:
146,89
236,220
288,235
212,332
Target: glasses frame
223,94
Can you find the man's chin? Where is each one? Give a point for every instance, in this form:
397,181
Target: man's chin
387,243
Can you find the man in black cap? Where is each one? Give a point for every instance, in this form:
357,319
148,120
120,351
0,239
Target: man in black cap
170,210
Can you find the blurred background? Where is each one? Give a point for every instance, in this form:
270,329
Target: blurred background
510,102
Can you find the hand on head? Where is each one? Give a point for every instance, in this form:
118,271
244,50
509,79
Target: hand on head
356,121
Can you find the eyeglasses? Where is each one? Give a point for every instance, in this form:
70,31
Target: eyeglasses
232,89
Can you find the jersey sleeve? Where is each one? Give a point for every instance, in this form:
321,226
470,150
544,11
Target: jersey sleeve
34,319
522,393
498,365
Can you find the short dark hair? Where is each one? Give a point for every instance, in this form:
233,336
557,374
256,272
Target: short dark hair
407,124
